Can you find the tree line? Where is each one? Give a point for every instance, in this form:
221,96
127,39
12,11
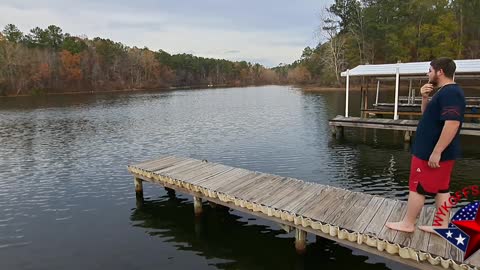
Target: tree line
49,61
352,32
387,31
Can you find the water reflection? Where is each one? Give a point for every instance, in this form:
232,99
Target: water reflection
229,241
64,183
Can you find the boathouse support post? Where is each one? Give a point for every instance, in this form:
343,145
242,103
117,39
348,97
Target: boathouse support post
366,99
397,85
197,206
413,99
300,241
346,92
378,90
407,136
410,99
338,131
361,101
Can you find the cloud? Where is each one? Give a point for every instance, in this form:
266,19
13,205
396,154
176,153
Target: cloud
232,52
269,31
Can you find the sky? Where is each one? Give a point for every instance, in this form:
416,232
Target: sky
268,32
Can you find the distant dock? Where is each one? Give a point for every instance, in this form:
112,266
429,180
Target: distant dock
408,126
353,219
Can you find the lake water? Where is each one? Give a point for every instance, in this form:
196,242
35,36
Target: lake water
68,202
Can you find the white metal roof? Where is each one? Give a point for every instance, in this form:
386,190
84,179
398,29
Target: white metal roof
413,68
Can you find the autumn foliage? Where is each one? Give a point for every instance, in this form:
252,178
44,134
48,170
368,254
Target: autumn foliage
49,61
70,66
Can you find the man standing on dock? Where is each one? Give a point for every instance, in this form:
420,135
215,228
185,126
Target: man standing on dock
437,144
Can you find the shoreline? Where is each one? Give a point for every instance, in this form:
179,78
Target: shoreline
305,88
171,88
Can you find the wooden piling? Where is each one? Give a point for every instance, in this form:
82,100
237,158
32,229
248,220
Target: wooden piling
138,186
197,206
300,241
407,136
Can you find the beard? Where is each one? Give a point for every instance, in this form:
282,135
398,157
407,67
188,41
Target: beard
434,81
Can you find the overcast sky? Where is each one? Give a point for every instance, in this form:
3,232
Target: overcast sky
268,32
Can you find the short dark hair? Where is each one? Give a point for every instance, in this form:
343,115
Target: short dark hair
446,64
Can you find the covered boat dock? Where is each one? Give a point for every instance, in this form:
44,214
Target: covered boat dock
402,105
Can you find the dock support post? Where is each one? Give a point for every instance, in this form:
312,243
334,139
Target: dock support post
138,192
300,241
407,136
138,187
197,206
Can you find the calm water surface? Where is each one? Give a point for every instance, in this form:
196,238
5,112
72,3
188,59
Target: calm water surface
67,200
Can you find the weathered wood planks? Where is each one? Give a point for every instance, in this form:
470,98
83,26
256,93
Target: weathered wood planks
310,205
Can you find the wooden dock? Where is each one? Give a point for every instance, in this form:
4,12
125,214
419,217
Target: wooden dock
353,219
339,122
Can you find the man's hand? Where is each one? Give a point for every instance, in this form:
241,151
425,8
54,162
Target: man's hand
426,90
434,161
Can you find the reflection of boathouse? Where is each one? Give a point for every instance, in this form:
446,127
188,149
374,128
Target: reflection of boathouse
385,113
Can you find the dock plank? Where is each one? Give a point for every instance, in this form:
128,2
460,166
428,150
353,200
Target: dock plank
377,223
200,172
321,197
360,223
397,215
267,197
437,245
249,192
289,195
208,172
312,192
145,164
418,239
341,206
357,208
326,207
213,182
161,164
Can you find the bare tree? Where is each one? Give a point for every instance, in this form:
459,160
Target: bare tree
335,44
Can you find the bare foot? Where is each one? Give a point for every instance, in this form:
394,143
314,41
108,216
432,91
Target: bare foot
429,229
401,226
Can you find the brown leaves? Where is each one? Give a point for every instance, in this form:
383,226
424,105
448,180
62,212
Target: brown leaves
71,70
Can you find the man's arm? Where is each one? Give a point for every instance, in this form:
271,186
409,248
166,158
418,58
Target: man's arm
448,133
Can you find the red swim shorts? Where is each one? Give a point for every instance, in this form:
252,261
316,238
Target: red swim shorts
430,181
